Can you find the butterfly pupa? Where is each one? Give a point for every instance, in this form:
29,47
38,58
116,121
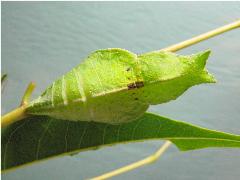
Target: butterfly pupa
116,86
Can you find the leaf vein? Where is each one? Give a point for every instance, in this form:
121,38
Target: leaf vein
12,133
40,139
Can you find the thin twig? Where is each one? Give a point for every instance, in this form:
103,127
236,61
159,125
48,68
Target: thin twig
202,37
13,116
28,93
19,113
137,164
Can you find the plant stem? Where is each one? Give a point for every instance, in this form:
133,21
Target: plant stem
13,116
19,113
202,37
167,144
137,164
28,93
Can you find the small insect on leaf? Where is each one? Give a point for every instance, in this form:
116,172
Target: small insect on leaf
115,86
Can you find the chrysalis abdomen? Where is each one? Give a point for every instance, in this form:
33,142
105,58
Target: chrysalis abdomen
100,89
115,86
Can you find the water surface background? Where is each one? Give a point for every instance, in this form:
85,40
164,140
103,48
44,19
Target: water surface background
43,40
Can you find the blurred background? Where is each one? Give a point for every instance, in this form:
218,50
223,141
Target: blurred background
43,40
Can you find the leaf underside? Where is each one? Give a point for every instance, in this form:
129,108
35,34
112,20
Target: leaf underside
41,137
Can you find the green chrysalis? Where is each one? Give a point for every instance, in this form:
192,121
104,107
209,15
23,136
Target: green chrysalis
115,86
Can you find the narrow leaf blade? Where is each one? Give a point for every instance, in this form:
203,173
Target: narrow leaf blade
38,138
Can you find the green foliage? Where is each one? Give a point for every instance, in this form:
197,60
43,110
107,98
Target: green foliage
116,86
42,137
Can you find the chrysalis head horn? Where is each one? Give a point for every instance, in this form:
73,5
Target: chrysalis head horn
201,60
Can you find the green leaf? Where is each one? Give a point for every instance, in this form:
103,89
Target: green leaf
38,138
